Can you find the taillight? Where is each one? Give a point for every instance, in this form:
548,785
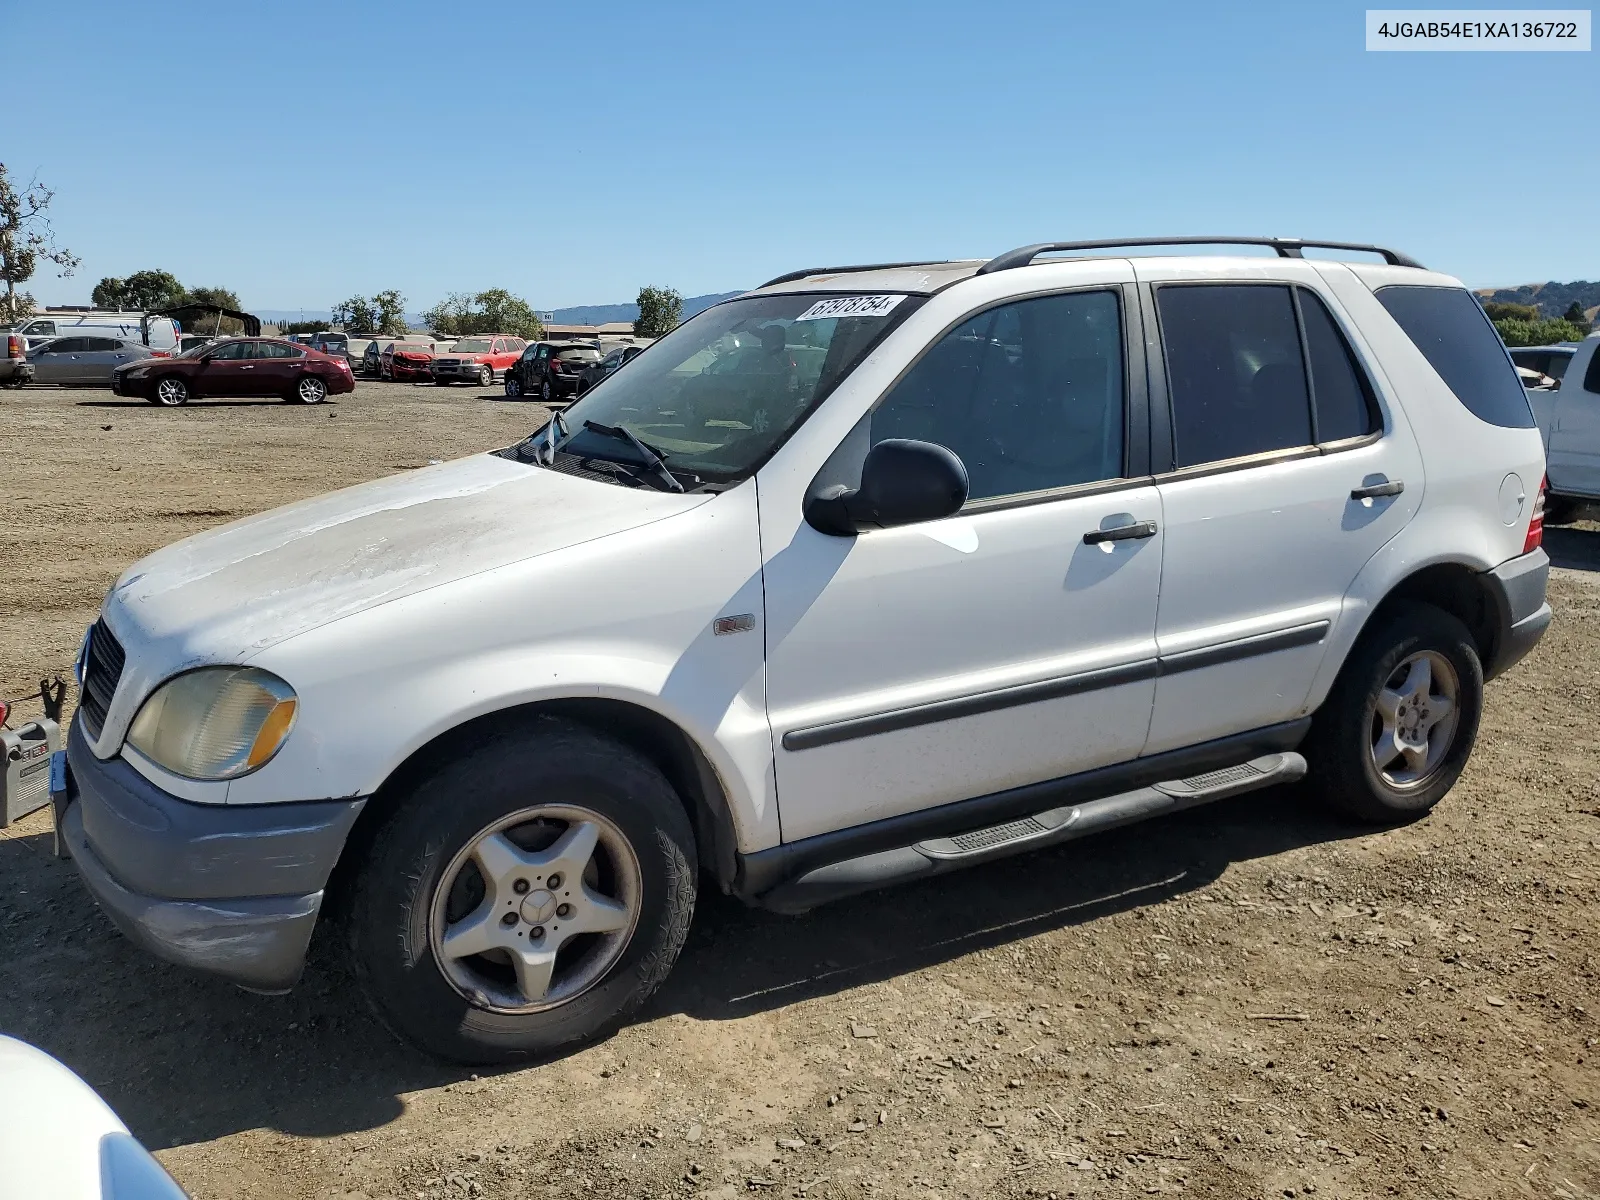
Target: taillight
1535,536
14,348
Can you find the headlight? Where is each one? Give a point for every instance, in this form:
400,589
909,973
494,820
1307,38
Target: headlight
138,372
214,723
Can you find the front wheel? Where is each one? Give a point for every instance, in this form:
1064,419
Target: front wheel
513,386
486,376
1395,732
526,896
171,392
310,390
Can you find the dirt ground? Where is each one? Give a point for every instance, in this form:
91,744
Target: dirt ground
1249,1000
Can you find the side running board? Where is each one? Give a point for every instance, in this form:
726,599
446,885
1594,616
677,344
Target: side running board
938,855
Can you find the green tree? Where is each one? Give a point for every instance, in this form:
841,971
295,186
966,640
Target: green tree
143,291
1576,315
26,237
391,306
1502,311
289,327
211,322
356,315
1516,331
660,311
493,311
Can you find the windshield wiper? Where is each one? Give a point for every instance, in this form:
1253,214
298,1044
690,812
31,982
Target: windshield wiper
653,458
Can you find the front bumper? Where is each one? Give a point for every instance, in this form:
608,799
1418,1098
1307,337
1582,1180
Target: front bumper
233,890
1517,589
460,370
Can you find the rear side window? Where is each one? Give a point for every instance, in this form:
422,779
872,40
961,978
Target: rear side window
1591,377
1456,338
1234,369
1341,396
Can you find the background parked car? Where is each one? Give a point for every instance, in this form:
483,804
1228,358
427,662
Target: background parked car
1535,380
550,370
402,359
595,372
1547,360
332,343
15,369
237,367
193,341
481,359
54,323
81,361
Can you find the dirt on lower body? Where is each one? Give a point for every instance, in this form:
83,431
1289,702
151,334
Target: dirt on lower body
1249,1000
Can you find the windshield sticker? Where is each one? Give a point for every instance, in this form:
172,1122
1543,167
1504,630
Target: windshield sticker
850,306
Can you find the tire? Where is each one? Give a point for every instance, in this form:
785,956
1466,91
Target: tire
170,392
513,386
546,392
1348,735
486,376
423,876
310,390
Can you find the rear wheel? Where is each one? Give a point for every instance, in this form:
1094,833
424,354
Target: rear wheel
171,392
546,392
310,390
525,896
1395,732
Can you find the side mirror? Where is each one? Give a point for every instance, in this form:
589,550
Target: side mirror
902,482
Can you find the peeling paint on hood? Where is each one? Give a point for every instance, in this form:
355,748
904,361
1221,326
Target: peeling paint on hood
231,592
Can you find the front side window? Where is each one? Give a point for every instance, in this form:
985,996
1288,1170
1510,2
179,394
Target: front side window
230,351
40,329
67,345
1454,334
1234,370
721,392
1028,395
93,344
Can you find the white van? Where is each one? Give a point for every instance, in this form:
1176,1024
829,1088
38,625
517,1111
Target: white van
55,322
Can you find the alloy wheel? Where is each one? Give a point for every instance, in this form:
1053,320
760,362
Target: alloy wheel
311,390
1414,720
535,909
171,392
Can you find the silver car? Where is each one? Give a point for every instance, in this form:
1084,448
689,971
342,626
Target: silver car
83,361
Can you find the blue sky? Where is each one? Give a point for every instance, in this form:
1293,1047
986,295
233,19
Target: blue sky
301,152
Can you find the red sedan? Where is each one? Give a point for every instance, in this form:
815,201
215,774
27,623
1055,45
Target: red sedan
237,367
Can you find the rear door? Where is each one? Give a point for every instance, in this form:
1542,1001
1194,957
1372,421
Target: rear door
101,355
1287,470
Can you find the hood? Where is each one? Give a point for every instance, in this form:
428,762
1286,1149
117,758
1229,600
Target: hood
229,593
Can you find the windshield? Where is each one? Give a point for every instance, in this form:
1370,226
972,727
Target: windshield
719,394
472,346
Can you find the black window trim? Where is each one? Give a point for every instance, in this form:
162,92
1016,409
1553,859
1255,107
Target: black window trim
1161,393
1135,403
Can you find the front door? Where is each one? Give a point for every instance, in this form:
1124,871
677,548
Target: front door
915,666
1289,473
58,362
1575,433
227,370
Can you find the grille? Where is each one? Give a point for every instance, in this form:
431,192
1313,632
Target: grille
102,669
1221,778
982,839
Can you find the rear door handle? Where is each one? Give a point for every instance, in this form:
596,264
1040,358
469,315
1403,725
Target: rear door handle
1391,487
1121,533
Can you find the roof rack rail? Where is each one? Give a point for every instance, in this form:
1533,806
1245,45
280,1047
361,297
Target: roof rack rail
1286,248
793,275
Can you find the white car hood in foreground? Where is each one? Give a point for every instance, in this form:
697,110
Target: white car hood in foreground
59,1141
229,593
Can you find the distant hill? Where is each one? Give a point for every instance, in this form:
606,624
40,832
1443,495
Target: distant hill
582,314
1551,299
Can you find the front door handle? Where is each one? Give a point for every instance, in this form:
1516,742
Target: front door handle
1121,533
1390,487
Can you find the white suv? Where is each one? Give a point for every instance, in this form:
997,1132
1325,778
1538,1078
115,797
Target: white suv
869,574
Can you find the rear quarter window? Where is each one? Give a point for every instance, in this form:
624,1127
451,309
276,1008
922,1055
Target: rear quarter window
1455,336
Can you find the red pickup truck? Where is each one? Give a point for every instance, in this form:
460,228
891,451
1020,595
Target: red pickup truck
480,359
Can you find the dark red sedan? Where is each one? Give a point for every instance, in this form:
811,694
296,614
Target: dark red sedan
237,367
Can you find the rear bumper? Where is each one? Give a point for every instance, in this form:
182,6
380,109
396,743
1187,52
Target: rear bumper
1517,588
14,372
230,890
